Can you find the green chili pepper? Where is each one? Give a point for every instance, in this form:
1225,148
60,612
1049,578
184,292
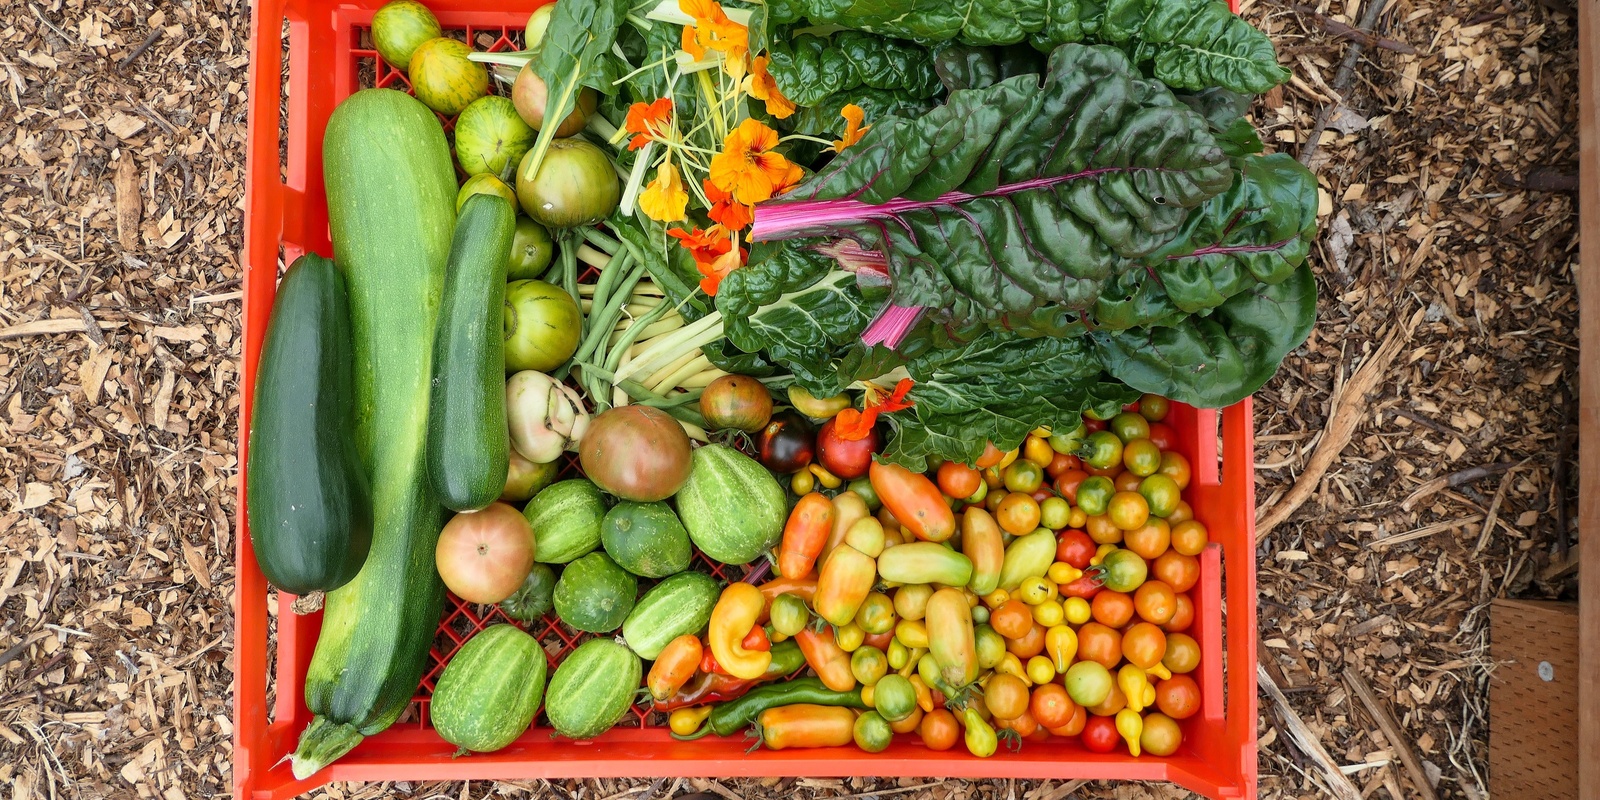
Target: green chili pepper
786,660
736,715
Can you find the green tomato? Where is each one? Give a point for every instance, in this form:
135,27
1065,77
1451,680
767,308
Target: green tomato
894,697
873,733
1094,494
1068,442
531,251
1130,425
876,614
868,664
1088,683
1125,571
1024,476
989,645
1161,492
789,614
1102,450
542,325
1054,513
863,487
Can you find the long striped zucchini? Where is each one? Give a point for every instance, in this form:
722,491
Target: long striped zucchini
391,209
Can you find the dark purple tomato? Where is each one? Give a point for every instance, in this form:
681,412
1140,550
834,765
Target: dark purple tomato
786,444
846,458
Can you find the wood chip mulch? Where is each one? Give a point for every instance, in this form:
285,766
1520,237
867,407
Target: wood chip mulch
1447,229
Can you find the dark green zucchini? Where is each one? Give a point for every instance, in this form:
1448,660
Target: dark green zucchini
309,509
468,453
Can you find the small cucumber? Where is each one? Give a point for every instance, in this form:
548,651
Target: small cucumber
467,447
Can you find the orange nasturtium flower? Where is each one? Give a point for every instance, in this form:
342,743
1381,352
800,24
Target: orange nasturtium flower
747,167
853,425
713,252
690,43
725,211
647,122
664,199
761,86
853,131
713,30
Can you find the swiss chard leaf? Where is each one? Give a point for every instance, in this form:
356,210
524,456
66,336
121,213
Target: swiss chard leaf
805,313
1188,44
965,67
823,120
1018,196
1217,360
808,68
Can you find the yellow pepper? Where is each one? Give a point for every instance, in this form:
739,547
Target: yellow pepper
1130,725
912,633
1100,554
849,637
1160,671
1041,670
686,721
735,614
824,477
1062,645
1077,610
1011,665
924,694
1132,681
1062,572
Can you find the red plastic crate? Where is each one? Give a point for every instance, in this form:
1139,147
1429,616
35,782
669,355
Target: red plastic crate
285,206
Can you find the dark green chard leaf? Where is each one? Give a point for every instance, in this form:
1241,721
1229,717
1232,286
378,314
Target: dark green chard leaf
808,68
1221,359
962,66
801,310
1191,44
823,120
1014,197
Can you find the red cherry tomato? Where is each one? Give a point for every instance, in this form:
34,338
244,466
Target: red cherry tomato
1162,435
1075,548
1066,483
1092,425
1100,734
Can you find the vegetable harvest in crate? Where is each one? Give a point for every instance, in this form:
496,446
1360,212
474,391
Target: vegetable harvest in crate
882,306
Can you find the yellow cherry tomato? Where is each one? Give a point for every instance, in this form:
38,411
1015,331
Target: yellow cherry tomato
1033,590
1077,519
1101,552
1062,572
1061,642
1037,449
1077,610
1049,613
802,483
1041,670
849,637
824,477
1010,456
1011,665
1130,725
996,599
912,633
686,721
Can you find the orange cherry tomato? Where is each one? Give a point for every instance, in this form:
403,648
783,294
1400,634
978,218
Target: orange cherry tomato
939,730
1114,609
1150,539
1028,645
914,501
1074,725
1127,481
1100,644
1114,702
1128,510
1012,619
1183,653
1102,530
1006,696
1176,467
1051,705
991,456
910,724
1182,615
1143,645
1183,512
1106,472
1181,572
1142,457
1160,735
1024,724
1163,436
1060,464
1189,537
1155,602
1178,696
1018,514
958,480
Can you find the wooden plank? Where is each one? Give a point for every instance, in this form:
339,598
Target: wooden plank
1532,699
1589,397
